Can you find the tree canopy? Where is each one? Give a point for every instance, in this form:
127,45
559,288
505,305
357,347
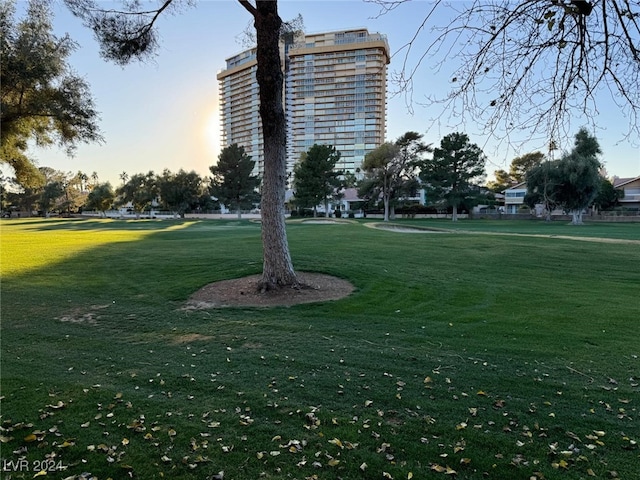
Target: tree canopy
390,170
580,174
517,171
101,198
179,192
608,196
522,164
454,171
315,178
232,182
571,182
140,189
42,99
542,182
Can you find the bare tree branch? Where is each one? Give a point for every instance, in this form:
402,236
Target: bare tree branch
525,66
249,7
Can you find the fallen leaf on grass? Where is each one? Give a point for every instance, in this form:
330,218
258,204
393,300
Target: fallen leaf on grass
337,442
561,464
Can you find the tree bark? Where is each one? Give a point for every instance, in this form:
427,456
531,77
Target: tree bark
454,215
386,208
576,217
277,266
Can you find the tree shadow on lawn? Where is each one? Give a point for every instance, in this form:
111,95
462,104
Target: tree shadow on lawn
122,327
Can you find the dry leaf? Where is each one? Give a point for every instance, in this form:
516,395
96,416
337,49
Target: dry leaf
337,442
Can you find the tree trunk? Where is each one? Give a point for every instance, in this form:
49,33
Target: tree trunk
326,208
576,217
454,215
277,266
239,212
386,208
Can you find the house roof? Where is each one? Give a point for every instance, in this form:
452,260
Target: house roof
517,186
619,182
351,195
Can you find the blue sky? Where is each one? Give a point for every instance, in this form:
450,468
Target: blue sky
164,113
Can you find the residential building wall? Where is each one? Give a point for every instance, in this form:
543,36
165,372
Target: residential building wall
631,188
514,198
238,91
334,93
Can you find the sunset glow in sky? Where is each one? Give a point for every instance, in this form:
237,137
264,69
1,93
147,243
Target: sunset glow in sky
164,114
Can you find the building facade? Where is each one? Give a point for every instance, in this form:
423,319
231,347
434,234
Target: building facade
335,91
239,103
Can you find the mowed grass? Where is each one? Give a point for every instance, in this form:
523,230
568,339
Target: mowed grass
460,355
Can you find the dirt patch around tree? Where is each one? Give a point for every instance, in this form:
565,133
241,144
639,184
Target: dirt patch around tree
243,292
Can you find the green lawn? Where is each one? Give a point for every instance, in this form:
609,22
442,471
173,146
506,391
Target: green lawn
494,356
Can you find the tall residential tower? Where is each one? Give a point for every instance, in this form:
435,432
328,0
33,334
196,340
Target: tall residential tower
335,94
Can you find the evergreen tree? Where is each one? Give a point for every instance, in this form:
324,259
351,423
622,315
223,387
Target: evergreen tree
42,100
456,168
315,178
233,182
